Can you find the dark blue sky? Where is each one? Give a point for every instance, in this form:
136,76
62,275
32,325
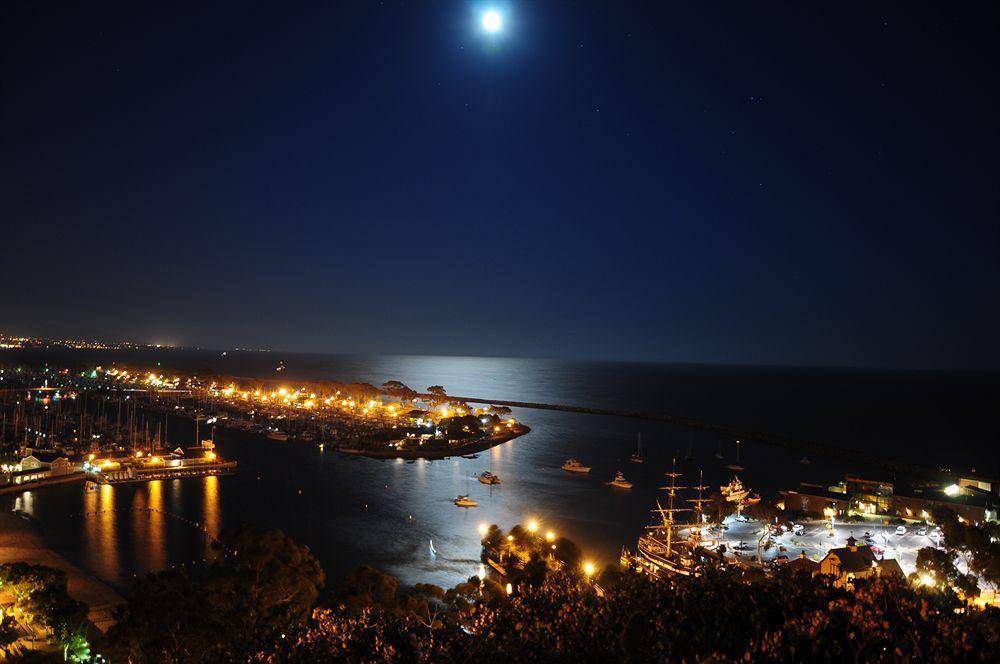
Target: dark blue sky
642,180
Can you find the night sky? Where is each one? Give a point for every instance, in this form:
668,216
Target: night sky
694,182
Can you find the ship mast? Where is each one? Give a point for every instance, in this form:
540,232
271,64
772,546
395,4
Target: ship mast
667,515
698,509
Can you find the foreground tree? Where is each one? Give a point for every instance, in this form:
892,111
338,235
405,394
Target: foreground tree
41,595
261,589
716,617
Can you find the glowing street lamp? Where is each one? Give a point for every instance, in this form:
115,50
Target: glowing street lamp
532,526
483,528
549,536
588,568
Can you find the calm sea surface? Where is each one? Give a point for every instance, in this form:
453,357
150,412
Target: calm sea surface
354,511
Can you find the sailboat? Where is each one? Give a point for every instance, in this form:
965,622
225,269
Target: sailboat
463,499
672,546
433,551
486,477
735,492
736,466
637,457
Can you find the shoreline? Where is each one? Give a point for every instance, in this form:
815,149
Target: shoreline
21,541
433,455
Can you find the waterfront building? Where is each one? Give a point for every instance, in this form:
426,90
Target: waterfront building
969,502
815,500
866,496
847,563
802,563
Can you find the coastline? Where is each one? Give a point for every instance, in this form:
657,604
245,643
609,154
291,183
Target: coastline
21,541
480,445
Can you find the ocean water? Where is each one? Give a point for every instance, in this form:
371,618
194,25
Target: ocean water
353,511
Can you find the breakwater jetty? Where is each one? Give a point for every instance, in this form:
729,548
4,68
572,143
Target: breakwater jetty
799,445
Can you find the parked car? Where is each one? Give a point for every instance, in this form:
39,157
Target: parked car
921,532
877,550
798,528
781,559
900,530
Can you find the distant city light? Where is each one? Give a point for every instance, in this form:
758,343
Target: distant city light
492,21
952,490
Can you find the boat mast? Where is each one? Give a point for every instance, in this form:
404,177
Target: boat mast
669,522
698,509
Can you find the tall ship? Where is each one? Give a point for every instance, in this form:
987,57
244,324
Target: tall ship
735,492
675,543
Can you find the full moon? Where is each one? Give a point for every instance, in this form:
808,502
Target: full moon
492,21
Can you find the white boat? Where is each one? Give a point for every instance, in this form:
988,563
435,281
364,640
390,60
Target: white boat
486,477
637,457
735,492
464,501
620,481
736,467
277,435
574,466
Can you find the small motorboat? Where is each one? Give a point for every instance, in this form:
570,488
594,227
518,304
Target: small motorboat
804,461
574,466
277,435
465,501
486,477
620,481
90,485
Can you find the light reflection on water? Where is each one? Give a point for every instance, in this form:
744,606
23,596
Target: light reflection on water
101,530
353,511
212,519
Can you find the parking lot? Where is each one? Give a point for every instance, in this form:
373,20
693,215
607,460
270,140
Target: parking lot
817,538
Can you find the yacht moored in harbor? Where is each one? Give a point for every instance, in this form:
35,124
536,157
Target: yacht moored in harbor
486,477
464,501
620,481
574,466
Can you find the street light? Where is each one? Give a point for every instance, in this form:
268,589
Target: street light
532,526
588,568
